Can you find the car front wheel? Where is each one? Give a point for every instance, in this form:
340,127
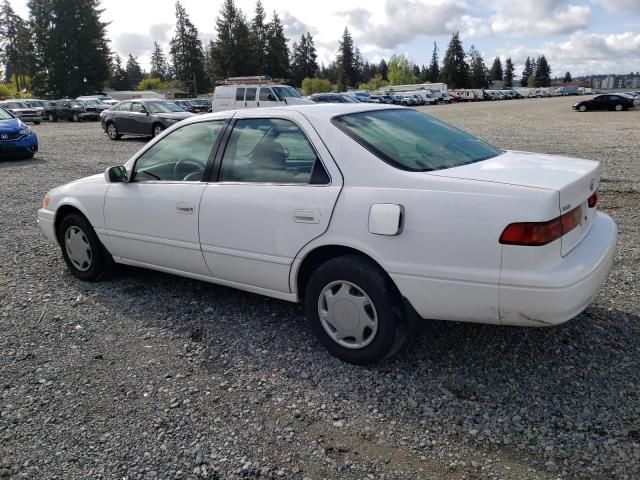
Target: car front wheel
82,251
112,131
583,108
157,130
619,108
353,309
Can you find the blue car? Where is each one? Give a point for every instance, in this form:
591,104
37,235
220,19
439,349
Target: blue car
16,139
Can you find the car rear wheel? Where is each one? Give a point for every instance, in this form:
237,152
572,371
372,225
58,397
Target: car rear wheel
112,131
619,108
353,309
582,108
82,251
157,130
76,117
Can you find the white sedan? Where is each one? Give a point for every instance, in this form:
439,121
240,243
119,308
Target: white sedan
376,217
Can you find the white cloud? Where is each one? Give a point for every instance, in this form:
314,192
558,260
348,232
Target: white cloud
538,17
621,5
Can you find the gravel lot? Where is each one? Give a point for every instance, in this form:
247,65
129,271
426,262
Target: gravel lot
150,376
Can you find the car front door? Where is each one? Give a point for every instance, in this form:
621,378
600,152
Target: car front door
152,220
276,189
266,98
121,117
138,119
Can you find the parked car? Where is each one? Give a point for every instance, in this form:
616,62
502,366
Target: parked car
605,102
332,98
39,106
97,104
141,117
207,102
17,140
404,100
106,99
375,217
229,97
190,105
72,110
635,98
382,99
22,111
361,95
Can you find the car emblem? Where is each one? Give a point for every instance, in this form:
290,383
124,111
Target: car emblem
4,136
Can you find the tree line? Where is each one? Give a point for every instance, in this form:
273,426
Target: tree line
63,50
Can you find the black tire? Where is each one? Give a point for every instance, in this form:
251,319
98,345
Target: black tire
100,260
156,129
371,280
36,123
112,133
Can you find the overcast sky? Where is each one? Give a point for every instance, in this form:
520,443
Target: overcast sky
582,36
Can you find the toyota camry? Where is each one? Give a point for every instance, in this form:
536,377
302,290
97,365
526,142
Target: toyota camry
377,218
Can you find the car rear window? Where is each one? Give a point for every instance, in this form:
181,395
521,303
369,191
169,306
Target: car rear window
412,141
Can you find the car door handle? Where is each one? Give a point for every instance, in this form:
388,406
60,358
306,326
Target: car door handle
182,207
306,216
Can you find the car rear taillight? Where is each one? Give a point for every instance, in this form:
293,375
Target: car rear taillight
535,234
593,200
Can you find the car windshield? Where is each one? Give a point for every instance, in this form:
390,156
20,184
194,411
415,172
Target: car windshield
286,92
412,141
105,99
92,102
17,105
37,103
163,107
4,115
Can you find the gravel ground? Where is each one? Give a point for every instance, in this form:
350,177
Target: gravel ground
150,376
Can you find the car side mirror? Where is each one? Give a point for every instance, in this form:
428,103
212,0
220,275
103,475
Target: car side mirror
116,174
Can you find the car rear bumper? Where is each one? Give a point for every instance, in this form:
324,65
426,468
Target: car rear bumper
46,222
573,283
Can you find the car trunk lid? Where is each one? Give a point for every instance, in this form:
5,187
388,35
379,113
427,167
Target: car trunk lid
574,179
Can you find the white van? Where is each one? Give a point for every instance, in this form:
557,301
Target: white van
233,97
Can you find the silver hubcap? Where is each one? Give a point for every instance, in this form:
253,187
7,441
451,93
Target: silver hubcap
347,314
618,107
78,248
157,130
112,130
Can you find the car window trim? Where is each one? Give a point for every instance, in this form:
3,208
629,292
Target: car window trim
210,159
217,167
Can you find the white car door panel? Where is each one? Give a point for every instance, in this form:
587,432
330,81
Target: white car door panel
251,230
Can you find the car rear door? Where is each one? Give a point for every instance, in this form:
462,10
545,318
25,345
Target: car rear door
121,117
273,190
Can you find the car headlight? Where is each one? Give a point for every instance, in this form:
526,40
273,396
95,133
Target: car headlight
26,131
45,202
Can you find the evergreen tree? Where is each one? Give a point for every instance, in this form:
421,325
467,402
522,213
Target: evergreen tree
70,45
383,69
434,67
477,70
496,70
543,72
277,58
159,68
455,70
259,34
119,78
508,73
567,77
526,72
187,54
134,72
303,59
345,62
16,48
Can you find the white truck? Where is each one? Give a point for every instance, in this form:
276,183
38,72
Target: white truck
234,97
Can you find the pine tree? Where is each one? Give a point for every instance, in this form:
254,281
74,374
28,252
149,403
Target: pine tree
71,47
187,54
496,72
477,69
508,73
543,72
303,59
434,67
526,72
277,58
455,70
345,61
567,77
158,63
258,38
16,48
383,69
119,78
134,72
234,52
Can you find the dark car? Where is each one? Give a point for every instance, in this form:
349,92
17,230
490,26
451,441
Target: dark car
72,110
22,111
206,102
141,117
16,139
605,102
192,106
381,98
332,98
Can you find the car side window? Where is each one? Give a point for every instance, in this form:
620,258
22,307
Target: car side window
264,94
180,156
138,108
270,150
239,94
124,107
250,95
